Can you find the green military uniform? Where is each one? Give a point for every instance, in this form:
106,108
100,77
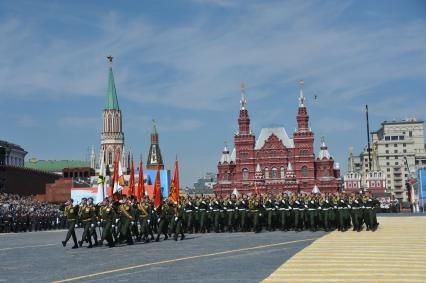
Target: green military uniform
71,213
126,222
86,216
108,216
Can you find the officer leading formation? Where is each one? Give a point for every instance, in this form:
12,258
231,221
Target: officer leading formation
125,220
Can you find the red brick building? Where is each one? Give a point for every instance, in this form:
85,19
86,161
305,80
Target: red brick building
274,162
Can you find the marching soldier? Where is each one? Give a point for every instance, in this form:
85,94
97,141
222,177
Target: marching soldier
108,216
178,224
126,221
94,214
86,217
71,213
189,215
162,221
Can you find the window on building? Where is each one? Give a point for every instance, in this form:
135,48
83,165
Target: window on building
274,173
388,175
373,184
394,138
110,157
401,138
395,151
350,184
245,174
266,173
387,163
282,173
304,170
387,157
396,163
395,145
387,151
406,175
386,145
404,144
226,176
388,169
387,138
410,134
404,151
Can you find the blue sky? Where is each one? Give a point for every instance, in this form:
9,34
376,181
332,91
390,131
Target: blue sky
182,63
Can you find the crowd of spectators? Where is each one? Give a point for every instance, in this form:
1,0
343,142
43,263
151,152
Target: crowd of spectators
24,214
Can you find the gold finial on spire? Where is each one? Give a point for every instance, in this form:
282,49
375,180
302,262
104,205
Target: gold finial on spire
351,149
301,84
225,142
243,87
322,139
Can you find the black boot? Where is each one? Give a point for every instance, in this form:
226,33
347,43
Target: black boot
64,243
80,243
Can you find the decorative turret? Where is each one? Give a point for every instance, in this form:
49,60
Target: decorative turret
302,115
93,158
323,154
243,119
225,158
154,155
112,136
258,174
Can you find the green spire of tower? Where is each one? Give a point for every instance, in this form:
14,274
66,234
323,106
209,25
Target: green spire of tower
111,99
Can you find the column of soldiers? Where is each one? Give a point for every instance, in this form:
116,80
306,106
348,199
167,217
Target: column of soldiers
23,214
115,222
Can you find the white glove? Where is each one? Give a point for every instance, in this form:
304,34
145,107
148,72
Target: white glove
260,214
176,219
113,226
133,222
159,219
349,206
99,223
76,225
116,220
149,221
92,225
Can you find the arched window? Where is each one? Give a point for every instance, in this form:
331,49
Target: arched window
109,124
226,176
245,174
266,173
325,172
282,173
110,157
304,170
274,173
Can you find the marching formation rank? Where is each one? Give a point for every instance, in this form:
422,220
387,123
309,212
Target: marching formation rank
128,220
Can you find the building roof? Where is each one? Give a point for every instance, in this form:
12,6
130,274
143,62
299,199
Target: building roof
6,144
55,165
281,134
225,156
403,121
323,150
111,99
233,155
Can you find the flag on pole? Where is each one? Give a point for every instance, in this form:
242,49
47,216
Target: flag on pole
157,189
256,190
119,178
132,180
141,184
174,188
101,183
112,180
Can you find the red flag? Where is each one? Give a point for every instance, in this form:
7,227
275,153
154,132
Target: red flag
141,184
157,189
132,180
174,188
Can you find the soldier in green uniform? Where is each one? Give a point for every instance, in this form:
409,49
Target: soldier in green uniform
255,207
178,223
312,210
270,211
126,221
143,214
189,215
71,213
94,212
242,207
108,216
85,215
202,208
162,221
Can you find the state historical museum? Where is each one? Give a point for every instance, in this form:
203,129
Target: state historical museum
274,162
